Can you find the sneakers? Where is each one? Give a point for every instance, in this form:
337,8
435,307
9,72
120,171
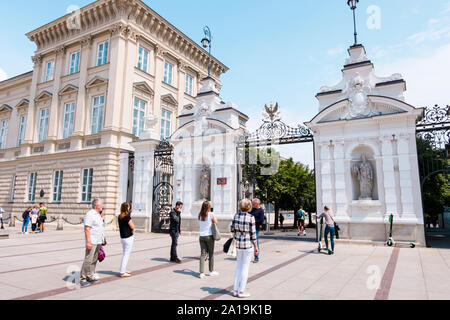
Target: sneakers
304,233
244,295
175,260
235,293
330,252
84,283
96,277
202,276
213,274
125,275
298,234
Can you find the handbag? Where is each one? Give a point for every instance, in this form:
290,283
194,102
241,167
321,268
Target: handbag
227,245
232,252
101,254
215,232
336,228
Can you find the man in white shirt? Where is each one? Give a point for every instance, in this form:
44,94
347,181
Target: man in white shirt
1,216
94,227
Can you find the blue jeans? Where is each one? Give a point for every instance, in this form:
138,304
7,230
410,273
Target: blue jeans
25,224
257,242
332,232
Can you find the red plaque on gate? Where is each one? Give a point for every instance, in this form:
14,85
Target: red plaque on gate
221,181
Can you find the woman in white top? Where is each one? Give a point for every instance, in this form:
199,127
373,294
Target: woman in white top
34,218
206,219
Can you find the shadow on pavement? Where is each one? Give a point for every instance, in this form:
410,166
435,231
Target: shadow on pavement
187,272
216,290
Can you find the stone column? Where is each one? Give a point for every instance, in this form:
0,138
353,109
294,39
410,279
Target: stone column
181,87
31,121
115,84
126,121
54,119
406,178
388,172
81,106
325,173
123,180
340,181
159,74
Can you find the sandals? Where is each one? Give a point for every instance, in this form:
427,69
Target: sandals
125,275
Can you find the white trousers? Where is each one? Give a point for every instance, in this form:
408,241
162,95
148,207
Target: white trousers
127,245
244,257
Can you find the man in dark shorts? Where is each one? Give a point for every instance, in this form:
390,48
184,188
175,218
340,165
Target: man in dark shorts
42,217
301,222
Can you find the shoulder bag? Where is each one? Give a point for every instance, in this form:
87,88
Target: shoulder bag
215,231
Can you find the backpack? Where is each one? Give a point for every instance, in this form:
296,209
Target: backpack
301,214
25,215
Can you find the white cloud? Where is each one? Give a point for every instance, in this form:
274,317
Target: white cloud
426,77
3,75
337,50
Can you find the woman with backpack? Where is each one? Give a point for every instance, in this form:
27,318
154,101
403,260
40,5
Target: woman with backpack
329,229
206,220
26,215
127,230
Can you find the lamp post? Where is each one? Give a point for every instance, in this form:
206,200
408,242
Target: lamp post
206,42
352,4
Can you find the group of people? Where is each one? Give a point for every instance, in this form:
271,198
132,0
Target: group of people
34,214
245,229
37,216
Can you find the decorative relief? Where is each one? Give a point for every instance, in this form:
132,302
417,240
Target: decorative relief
87,41
357,91
61,50
37,59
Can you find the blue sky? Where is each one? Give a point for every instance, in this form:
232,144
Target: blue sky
281,51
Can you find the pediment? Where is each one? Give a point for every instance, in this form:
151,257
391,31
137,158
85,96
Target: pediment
44,95
24,103
144,87
194,129
169,99
96,81
378,105
68,89
5,108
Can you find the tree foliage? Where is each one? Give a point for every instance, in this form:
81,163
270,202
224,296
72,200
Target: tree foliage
285,183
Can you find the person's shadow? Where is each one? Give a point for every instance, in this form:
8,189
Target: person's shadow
160,259
216,290
187,272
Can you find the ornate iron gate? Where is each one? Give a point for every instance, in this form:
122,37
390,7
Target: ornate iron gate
162,187
433,147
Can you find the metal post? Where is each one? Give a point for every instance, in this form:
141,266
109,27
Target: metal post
268,233
354,27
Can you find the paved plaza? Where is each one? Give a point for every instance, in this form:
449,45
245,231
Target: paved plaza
40,267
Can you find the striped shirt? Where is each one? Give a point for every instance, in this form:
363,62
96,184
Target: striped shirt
244,226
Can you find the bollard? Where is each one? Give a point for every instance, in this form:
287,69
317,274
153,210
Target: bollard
60,225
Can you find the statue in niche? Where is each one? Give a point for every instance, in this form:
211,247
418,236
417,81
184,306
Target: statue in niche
205,183
364,173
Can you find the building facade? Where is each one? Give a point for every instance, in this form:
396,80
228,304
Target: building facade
67,126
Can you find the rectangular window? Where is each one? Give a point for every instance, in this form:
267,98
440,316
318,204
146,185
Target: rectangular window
102,56
32,186
22,130
74,62
138,116
69,114
165,124
143,59
13,188
57,185
86,185
189,85
97,114
168,72
43,124
49,71
3,133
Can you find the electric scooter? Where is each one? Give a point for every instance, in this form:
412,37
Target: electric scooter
391,242
320,234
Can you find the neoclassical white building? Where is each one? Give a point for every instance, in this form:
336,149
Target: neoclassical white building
67,126
365,118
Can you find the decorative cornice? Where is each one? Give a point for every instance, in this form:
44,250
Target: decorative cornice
87,41
135,12
37,59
